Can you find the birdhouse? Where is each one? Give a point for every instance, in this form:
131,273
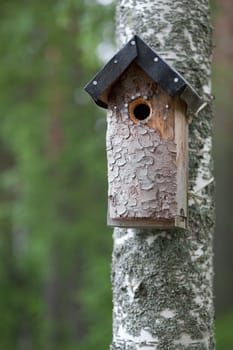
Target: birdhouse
147,103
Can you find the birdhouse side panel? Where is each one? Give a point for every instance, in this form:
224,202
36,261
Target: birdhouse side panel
141,154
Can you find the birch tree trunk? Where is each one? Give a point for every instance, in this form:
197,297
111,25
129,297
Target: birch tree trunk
162,280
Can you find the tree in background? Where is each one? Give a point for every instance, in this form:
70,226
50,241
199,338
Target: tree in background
53,234
223,87
162,281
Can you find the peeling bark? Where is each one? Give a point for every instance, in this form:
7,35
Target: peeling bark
162,280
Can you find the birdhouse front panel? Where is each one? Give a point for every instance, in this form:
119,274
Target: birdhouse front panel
141,152
147,137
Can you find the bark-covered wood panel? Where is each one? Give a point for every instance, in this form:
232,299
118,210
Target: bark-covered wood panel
142,170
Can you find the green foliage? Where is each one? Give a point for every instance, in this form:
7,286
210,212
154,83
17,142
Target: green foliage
54,247
224,334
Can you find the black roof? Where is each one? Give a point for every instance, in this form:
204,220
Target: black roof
136,50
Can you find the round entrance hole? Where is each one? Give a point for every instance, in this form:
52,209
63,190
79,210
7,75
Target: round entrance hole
139,110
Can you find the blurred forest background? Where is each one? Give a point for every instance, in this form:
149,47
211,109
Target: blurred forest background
55,248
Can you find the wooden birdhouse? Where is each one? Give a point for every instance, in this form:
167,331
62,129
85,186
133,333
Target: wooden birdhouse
147,137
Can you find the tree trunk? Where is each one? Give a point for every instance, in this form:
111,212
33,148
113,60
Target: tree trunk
162,280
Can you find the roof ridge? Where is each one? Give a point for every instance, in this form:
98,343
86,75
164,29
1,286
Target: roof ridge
154,66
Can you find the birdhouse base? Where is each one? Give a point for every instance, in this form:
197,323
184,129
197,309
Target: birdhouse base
177,222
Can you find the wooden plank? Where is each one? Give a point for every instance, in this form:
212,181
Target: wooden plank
181,139
142,169
142,223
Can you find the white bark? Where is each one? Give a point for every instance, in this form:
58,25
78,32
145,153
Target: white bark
162,280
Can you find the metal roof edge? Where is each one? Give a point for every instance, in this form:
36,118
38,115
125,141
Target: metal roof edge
153,64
